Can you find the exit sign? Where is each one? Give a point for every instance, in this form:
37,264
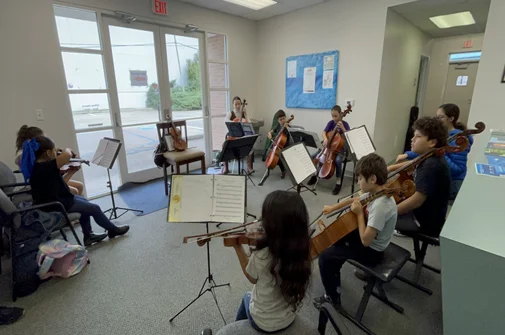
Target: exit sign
160,7
468,44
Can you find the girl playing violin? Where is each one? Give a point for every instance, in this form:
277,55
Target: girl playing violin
27,133
41,165
448,114
279,266
238,114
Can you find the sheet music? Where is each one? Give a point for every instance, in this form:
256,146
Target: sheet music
299,162
359,141
110,153
229,199
102,145
191,198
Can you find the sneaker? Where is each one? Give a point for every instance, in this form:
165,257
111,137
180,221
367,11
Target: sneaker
361,275
336,190
323,299
93,238
312,180
397,233
9,315
283,175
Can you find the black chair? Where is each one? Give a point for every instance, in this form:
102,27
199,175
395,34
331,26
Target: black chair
394,259
421,243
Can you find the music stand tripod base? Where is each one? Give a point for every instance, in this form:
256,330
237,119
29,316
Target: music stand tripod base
211,285
113,210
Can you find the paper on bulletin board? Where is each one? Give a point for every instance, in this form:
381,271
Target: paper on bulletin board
329,63
328,79
309,80
292,69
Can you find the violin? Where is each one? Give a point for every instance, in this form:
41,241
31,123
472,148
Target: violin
179,143
348,222
277,145
244,238
73,163
334,146
202,239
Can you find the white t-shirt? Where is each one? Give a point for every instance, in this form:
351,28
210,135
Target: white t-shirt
238,114
269,310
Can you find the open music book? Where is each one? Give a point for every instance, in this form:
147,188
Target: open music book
106,153
207,198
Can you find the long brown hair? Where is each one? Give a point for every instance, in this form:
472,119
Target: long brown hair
452,110
26,133
285,221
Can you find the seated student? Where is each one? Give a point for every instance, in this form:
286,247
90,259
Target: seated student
41,166
425,211
449,114
279,266
341,126
236,116
26,133
367,243
280,116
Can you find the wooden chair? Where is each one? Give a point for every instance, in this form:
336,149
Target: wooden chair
178,158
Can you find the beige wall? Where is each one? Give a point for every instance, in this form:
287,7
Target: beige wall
403,46
439,66
355,28
32,69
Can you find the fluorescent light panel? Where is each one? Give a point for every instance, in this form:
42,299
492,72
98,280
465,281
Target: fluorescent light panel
253,4
453,20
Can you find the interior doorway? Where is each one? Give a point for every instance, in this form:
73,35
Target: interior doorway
459,87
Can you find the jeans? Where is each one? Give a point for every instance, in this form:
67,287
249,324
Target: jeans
88,210
338,162
243,313
332,259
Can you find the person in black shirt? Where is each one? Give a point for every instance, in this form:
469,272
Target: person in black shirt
281,118
425,211
41,164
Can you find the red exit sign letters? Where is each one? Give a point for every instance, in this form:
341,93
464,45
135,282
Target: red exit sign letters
160,7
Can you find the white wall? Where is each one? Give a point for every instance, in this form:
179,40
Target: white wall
439,66
32,69
355,28
403,45
489,93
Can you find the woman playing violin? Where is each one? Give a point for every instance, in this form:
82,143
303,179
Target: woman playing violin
27,133
238,114
367,243
279,266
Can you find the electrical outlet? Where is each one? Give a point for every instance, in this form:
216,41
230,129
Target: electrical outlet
349,102
40,114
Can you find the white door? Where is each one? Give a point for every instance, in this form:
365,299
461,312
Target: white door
459,87
140,65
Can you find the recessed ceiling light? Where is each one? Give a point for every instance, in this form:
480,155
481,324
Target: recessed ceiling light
253,4
453,20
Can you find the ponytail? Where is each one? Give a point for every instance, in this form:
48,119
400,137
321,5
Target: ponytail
26,133
452,110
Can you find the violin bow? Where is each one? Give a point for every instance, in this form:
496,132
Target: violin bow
219,233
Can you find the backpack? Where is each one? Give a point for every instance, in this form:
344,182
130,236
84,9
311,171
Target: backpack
58,258
159,160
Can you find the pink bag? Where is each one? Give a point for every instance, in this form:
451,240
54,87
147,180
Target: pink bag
58,258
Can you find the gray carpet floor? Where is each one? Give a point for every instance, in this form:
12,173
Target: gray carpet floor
136,283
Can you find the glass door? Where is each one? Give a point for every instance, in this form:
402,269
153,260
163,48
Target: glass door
155,71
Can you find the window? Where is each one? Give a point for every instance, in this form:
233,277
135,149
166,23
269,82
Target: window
219,87
82,55
460,57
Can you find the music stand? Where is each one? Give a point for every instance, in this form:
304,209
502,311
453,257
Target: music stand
298,162
309,138
359,143
238,149
105,156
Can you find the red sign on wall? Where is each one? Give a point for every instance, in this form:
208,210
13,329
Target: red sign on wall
468,44
160,7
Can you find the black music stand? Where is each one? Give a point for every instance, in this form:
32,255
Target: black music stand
309,138
238,149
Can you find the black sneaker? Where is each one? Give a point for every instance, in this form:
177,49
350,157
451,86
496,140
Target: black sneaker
9,315
324,298
336,190
118,231
93,238
312,180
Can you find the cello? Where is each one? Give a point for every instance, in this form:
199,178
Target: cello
334,146
348,221
242,113
277,145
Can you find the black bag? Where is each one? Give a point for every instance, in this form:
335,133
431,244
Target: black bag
159,160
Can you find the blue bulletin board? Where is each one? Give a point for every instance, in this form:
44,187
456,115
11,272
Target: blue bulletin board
311,80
